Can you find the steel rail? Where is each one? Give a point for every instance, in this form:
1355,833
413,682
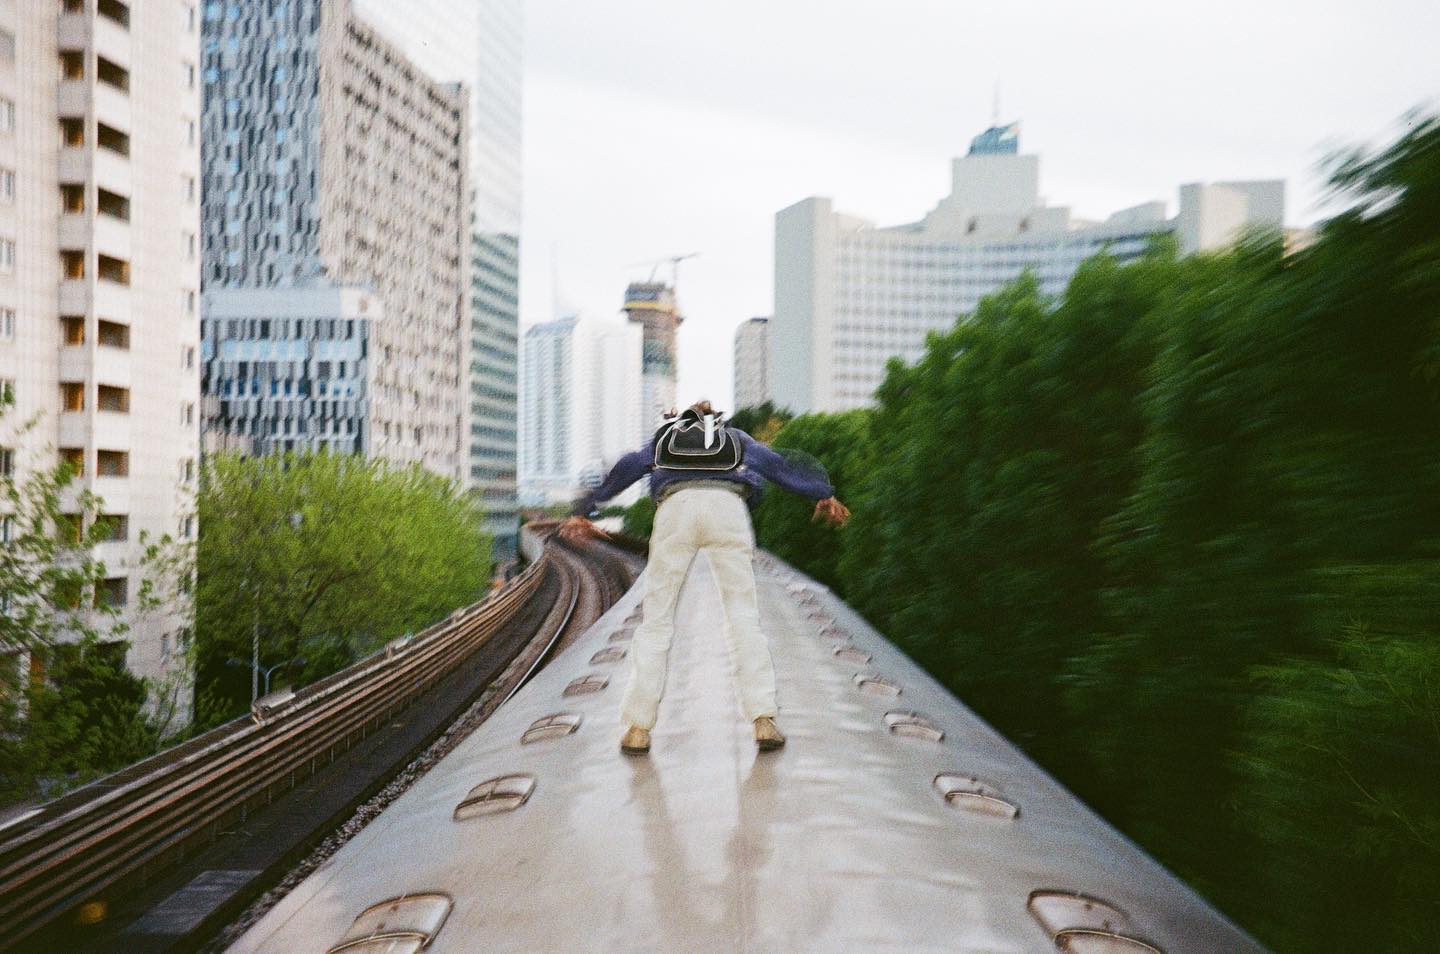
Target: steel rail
77,847
575,577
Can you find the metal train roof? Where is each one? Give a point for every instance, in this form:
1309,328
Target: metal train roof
893,820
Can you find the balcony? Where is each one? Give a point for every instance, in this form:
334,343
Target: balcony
112,301
75,164
112,41
74,366
73,97
74,429
74,230
112,106
114,491
112,172
75,296
111,429
73,32
111,366
112,236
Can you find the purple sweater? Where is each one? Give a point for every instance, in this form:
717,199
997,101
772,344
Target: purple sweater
760,464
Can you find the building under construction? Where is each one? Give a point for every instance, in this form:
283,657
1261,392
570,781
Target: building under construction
652,305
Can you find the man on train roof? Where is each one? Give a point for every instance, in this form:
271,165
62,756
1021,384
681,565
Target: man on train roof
703,474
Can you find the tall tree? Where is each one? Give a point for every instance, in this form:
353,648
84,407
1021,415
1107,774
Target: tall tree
325,557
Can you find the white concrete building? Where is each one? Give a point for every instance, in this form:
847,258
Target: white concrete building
752,360
581,405
850,295
100,267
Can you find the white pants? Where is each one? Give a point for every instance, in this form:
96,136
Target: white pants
690,520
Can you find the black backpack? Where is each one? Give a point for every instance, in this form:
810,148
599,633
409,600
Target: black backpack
694,441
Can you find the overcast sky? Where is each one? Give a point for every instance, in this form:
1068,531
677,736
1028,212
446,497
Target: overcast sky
657,128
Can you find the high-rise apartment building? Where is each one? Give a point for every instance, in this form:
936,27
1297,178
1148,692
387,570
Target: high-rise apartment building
849,295
479,43
333,162
752,359
99,269
580,405
653,307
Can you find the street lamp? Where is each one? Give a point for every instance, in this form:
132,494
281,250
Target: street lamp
255,669
295,518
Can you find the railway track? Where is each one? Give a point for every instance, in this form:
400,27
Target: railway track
78,857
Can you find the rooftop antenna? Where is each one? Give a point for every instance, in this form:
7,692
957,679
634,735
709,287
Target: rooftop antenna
995,113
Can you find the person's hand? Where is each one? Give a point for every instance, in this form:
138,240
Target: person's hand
578,528
832,512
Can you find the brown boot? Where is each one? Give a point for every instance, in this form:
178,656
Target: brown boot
635,741
767,737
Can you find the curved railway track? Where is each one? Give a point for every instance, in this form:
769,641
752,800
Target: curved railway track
84,852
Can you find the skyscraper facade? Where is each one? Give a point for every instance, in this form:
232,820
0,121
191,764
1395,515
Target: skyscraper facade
479,43
580,405
332,161
752,358
100,272
850,295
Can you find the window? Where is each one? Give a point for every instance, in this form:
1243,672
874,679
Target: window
7,115
187,358
7,185
117,527
187,528
187,414
7,323
189,238
72,64
112,463
114,10
110,398
187,187
72,131
7,46
7,529
72,197
73,329
112,592
7,255
73,458
7,462
187,301
72,263
112,74
71,527
112,269
189,71
72,396
187,470
112,204
113,139
112,334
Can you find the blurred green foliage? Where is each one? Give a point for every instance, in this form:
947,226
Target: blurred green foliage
329,557
1177,534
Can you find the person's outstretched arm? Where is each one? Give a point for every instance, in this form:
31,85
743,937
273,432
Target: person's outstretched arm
779,471
626,471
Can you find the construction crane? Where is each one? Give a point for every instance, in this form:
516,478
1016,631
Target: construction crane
655,264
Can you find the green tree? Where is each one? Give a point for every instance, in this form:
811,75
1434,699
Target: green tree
78,713
783,521
1337,774
326,557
